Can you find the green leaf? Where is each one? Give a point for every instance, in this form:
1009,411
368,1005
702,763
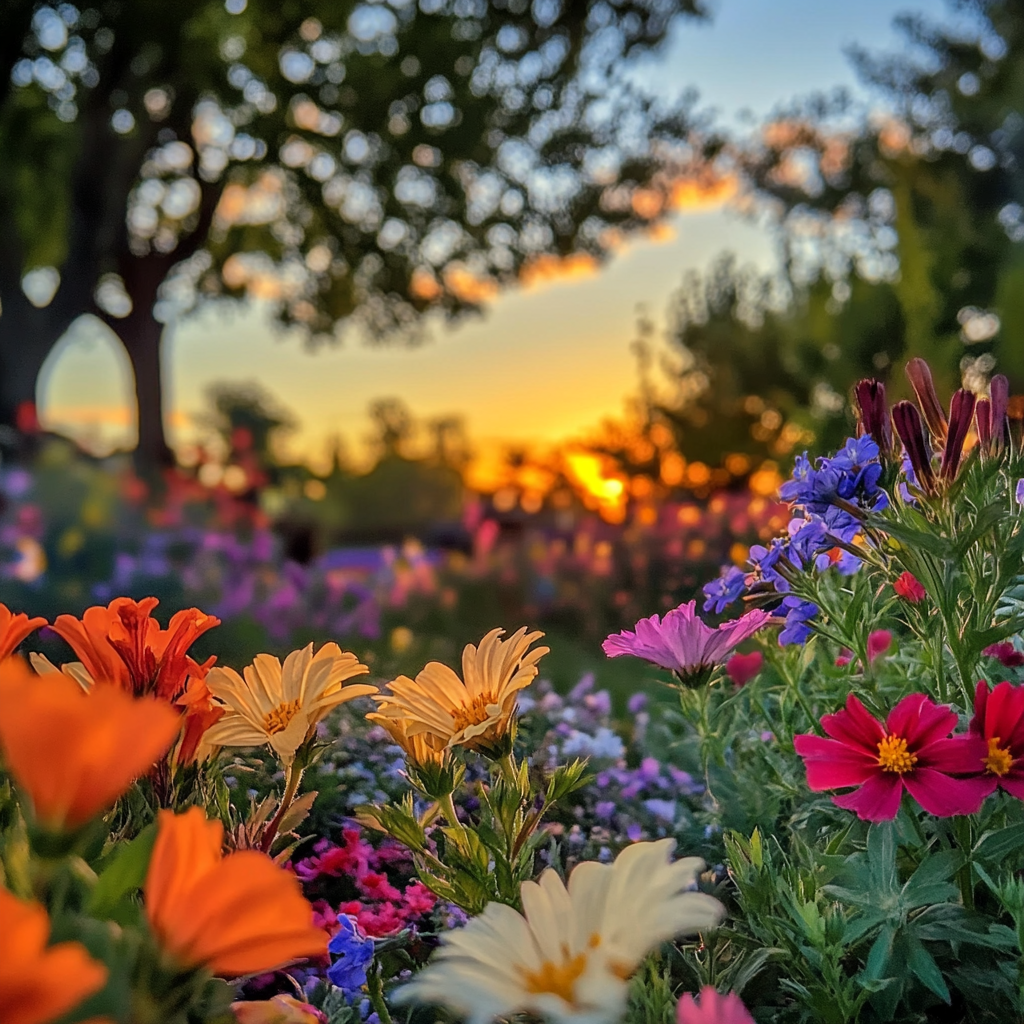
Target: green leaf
925,969
125,873
994,847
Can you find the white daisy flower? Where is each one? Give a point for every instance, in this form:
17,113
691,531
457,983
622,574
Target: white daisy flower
568,956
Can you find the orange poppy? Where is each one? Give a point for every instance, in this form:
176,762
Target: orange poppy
14,629
239,914
124,644
39,983
76,753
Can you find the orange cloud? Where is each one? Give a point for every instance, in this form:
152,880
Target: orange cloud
703,191
545,269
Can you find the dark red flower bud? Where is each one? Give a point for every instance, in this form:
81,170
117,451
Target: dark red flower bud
874,413
920,376
983,417
999,388
907,421
961,412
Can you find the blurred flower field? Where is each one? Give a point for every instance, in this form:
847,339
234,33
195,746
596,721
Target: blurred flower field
76,532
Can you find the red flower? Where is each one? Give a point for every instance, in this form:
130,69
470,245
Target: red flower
999,721
909,588
741,668
1005,653
912,751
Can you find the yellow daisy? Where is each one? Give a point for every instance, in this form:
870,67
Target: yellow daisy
568,956
281,705
475,711
420,747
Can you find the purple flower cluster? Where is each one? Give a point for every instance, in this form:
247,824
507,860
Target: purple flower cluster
826,497
628,800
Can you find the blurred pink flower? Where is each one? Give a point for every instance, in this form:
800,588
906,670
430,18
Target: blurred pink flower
1005,653
879,642
682,642
741,668
713,1008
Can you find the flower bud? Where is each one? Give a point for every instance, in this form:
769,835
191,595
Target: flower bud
907,421
920,376
961,412
874,413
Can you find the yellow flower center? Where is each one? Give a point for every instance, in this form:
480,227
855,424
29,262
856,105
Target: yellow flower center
999,760
559,979
472,713
893,755
277,720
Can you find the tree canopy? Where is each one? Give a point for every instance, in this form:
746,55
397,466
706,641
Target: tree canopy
342,160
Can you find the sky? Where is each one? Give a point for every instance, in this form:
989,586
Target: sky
544,363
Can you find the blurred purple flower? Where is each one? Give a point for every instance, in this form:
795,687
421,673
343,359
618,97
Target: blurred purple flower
636,703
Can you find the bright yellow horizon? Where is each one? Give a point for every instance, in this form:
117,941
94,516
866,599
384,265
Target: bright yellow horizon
544,363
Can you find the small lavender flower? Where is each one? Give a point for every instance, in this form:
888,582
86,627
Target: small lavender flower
1020,491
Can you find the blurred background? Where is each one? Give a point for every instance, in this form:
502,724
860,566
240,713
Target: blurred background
392,321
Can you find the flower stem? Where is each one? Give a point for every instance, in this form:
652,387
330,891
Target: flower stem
447,805
292,779
375,990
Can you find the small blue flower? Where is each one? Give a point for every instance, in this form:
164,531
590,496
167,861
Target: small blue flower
724,591
796,630
1020,492
354,952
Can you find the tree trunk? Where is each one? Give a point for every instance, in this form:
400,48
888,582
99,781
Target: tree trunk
27,336
141,335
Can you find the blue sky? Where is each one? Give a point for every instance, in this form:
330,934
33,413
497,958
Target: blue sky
542,364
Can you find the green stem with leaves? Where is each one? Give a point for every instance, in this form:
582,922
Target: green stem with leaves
293,776
375,990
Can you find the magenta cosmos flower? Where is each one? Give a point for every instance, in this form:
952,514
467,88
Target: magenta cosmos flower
999,721
682,642
913,751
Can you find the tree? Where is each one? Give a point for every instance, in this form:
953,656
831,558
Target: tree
345,160
925,204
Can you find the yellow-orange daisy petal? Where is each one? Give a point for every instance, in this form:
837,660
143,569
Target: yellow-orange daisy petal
474,711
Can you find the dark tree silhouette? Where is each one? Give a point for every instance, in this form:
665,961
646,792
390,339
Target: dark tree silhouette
344,160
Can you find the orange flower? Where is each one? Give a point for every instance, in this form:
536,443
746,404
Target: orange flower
40,983
76,753
200,713
14,629
123,644
239,914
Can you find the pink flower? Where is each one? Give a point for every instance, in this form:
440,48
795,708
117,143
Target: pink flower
912,751
741,668
713,1008
682,642
909,588
1005,653
999,721
879,641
